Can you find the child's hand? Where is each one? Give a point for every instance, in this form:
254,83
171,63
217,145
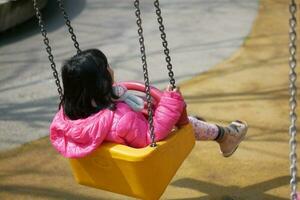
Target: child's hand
170,89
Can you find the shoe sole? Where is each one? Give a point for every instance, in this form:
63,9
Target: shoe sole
226,155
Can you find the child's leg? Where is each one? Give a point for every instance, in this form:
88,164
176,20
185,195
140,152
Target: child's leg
204,130
228,137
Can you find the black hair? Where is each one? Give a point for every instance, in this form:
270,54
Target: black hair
85,78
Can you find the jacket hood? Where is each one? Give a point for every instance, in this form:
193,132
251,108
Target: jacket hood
77,138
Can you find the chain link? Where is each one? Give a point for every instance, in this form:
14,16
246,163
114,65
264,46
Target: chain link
48,48
68,23
293,99
145,70
164,43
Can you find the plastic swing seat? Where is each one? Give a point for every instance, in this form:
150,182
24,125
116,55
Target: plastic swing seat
142,173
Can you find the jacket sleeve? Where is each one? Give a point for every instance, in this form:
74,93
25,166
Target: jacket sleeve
133,127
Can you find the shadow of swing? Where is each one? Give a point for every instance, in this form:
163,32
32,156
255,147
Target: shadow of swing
218,192
51,193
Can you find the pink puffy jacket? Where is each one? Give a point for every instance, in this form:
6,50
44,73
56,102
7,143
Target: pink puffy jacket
77,138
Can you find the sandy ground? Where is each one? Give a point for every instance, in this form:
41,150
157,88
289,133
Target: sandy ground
251,85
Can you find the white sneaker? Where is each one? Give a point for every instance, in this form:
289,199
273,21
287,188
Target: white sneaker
233,136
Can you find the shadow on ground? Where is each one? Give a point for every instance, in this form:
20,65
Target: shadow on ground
219,192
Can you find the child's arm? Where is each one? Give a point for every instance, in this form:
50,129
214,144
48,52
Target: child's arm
167,114
133,127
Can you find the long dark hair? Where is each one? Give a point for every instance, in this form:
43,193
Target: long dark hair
85,78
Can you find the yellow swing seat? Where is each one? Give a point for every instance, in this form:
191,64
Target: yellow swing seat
142,173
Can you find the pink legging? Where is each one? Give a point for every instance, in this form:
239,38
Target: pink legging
203,130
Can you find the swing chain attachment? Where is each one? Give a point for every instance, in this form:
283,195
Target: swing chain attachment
68,23
293,98
164,43
145,71
48,48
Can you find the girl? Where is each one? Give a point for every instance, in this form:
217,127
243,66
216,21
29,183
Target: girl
93,111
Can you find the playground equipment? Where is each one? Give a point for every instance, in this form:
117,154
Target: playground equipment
142,173
13,13
293,99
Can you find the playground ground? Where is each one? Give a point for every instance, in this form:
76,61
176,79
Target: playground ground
251,85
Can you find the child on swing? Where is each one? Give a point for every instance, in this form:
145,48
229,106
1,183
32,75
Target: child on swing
93,111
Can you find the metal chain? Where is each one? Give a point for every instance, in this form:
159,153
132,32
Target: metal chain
164,43
48,48
145,70
68,23
293,99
